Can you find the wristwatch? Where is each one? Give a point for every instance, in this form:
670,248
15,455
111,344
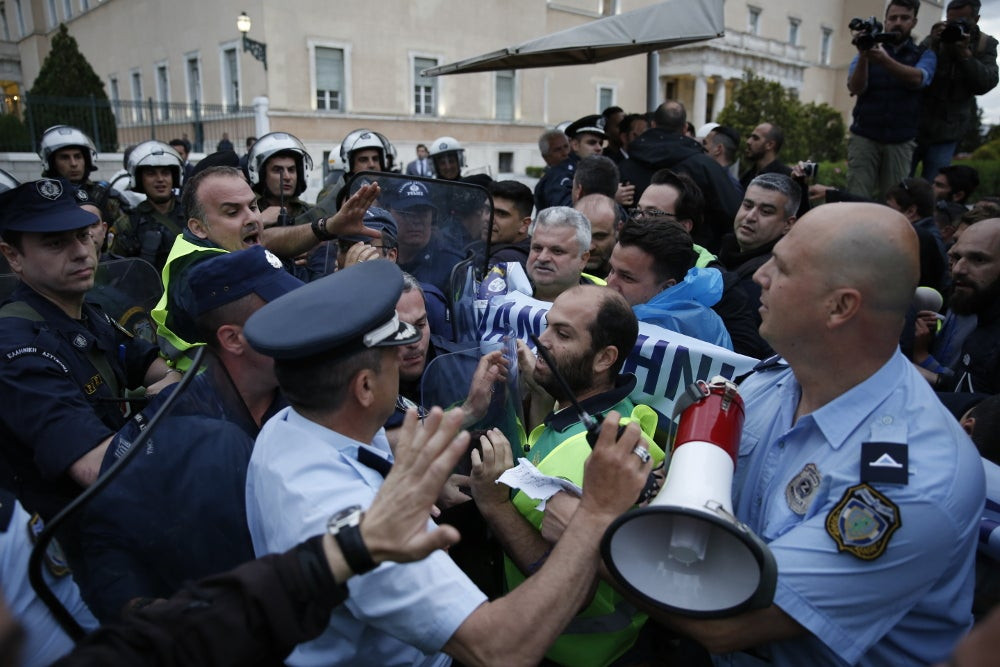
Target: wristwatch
345,527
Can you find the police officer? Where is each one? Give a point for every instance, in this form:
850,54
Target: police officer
132,549
66,365
149,229
70,154
448,157
586,138
361,150
325,453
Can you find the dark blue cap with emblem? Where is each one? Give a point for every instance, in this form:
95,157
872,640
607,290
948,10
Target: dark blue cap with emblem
378,219
412,194
45,205
594,124
232,275
339,315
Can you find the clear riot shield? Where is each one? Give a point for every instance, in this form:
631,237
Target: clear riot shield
446,383
443,234
127,289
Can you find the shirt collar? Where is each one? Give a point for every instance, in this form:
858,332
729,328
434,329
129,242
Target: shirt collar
595,405
839,418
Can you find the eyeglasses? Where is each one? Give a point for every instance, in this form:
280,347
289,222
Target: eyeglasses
640,213
344,246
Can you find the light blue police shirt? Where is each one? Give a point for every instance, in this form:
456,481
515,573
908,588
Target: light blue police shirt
45,640
299,475
911,604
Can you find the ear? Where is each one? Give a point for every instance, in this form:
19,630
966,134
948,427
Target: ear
842,306
525,224
12,256
958,195
584,257
230,337
910,211
605,359
688,225
788,224
669,282
198,228
362,387
968,425
392,254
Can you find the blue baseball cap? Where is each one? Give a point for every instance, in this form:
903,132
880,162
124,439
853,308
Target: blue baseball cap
229,276
337,316
45,205
412,194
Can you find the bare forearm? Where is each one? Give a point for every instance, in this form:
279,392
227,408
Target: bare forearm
289,241
536,612
521,542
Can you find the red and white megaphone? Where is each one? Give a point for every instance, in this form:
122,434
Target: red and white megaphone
686,553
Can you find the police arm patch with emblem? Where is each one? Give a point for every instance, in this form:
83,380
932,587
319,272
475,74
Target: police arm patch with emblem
863,521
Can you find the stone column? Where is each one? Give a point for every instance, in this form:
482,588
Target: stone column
697,115
262,124
719,100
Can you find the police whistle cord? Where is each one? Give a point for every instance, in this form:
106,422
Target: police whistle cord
591,424
59,611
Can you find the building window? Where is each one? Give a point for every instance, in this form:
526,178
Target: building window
193,71
505,94
825,41
609,7
53,18
753,20
793,31
230,78
22,30
3,20
163,91
671,91
505,162
137,108
68,8
84,5
115,95
605,98
329,79
424,87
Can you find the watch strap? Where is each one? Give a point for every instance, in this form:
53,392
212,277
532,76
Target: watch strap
352,546
319,230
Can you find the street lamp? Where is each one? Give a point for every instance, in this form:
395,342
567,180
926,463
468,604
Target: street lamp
257,49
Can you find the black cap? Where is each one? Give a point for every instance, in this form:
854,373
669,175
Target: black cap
218,159
594,124
45,205
342,314
232,275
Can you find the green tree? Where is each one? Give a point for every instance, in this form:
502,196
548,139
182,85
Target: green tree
812,131
68,91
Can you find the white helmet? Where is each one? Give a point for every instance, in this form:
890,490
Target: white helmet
58,137
7,182
274,144
153,154
334,161
361,139
444,145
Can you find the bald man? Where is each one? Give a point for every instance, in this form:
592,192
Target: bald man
602,211
865,488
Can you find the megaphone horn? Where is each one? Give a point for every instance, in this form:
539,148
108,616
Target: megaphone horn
686,553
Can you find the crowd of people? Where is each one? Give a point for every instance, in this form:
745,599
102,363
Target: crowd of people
295,500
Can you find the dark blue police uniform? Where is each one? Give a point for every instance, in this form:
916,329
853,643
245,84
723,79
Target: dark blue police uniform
556,185
58,403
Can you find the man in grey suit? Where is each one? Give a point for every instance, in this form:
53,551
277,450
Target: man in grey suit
422,165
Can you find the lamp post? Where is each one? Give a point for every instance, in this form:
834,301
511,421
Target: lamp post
257,49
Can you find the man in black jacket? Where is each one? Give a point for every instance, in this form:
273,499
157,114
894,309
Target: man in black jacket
664,146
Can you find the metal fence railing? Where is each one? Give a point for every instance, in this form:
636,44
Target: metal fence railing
115,124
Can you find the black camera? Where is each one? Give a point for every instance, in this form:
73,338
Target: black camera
955,31
809,169
869,33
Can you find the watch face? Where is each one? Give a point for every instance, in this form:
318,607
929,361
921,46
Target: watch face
349,516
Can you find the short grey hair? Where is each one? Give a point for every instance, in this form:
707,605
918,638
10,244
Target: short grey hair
410,284
784,185
547,136
564,216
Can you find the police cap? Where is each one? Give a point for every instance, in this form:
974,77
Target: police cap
594,124
339,315
45,205
232,275
412,194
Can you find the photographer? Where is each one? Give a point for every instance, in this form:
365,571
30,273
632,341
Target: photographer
886,75
966,67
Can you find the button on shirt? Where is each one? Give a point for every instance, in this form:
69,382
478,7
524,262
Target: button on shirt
909,605
300,474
